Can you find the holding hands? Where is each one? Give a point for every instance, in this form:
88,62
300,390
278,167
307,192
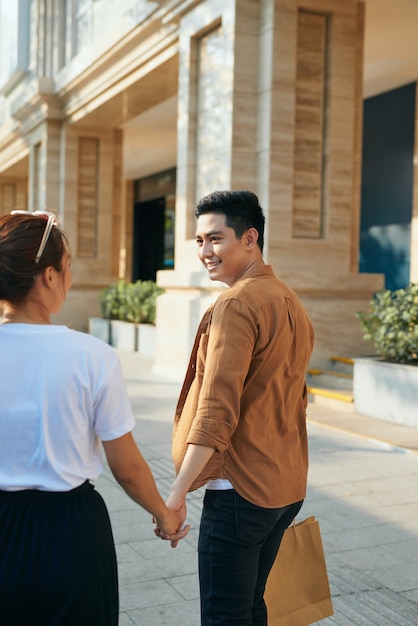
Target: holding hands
166,529
194,461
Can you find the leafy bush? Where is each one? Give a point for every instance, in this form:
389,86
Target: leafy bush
391,323
130,302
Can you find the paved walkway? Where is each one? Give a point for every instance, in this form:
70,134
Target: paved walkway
363,489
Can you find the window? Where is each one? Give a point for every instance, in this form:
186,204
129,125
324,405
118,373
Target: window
14,41
83,19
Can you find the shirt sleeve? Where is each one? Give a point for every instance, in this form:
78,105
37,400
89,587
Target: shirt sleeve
230,347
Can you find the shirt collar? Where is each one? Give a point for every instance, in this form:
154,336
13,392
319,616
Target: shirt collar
257,270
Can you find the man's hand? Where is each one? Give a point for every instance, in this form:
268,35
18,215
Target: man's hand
177,502
175,505
170,522
173,538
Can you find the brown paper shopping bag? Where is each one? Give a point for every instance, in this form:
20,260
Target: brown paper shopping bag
297,591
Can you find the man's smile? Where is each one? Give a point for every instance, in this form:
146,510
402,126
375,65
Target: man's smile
211,264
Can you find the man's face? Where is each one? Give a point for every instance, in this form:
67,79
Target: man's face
224,256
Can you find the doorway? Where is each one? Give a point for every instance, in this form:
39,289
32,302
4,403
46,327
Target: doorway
153,225
148,239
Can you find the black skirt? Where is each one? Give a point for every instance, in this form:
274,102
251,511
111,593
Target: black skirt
57,559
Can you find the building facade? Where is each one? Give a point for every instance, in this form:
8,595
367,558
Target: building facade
120,116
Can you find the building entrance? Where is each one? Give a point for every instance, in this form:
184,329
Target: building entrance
153,225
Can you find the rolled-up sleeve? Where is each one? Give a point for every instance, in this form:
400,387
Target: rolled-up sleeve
232,338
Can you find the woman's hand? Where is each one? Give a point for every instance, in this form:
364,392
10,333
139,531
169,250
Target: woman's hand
134,475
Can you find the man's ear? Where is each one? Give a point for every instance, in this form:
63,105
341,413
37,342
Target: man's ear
251,238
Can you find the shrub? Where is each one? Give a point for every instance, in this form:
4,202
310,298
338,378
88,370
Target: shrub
130,302
391,323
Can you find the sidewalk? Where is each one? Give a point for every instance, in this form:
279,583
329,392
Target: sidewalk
362,489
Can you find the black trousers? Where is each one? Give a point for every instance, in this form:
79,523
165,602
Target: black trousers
57,559
238,542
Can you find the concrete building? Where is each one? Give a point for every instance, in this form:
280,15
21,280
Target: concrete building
119,116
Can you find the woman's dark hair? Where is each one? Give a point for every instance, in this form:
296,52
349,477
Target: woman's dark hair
241,209
20,236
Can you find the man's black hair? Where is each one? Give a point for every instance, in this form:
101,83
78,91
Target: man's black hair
241,209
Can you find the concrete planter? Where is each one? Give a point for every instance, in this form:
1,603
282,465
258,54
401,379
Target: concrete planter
124,335
100,328
146,339
388,391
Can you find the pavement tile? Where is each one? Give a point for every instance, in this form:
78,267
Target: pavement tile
173,614
125,620
361,538
161,568
137,595
153,549
187,586
399,576
127,553
411,595
362,490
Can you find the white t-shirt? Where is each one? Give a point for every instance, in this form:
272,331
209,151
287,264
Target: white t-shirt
61,392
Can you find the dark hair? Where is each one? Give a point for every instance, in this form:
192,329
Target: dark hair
241,209
20,236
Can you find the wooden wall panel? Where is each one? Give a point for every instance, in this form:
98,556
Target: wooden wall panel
8,197
310,129
315,145
88,168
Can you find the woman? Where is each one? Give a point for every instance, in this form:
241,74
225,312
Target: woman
62,394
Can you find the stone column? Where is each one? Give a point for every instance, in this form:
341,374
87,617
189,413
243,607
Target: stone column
204,163
270,99
219,115
93,211
44,166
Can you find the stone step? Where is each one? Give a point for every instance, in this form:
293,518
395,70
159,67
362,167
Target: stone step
329,379
332,387
342,364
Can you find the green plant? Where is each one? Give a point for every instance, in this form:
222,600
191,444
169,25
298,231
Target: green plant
130,302
391,323
112,300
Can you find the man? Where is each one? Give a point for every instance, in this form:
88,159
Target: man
240,425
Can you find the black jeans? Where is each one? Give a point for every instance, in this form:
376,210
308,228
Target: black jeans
238,543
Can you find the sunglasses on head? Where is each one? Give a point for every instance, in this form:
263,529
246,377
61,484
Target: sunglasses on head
51,220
